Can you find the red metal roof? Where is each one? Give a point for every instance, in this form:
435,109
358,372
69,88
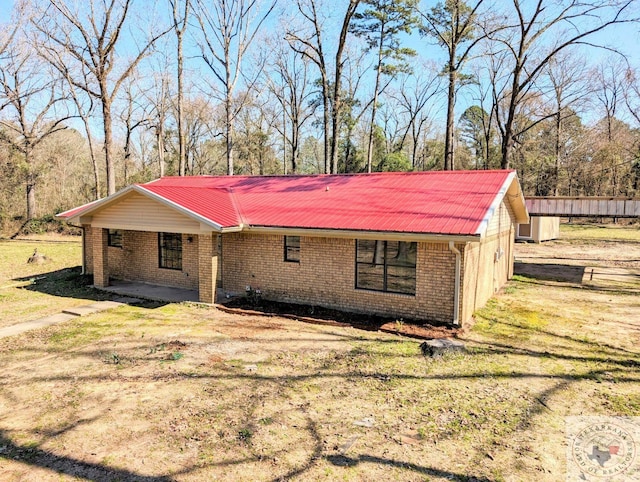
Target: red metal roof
437,202
433,202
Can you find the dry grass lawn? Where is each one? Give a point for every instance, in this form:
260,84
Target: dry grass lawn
181,392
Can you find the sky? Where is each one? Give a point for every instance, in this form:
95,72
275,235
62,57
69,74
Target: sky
625,38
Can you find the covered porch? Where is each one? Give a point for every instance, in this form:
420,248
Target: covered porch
149,291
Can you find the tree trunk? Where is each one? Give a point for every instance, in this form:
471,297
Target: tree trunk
182,158
108,142
31,199
508,139
229,133
335,122
94,160
295,136
373,125
127,155
284,140
337,94
556,169
31,186
374,106
160,143
449,134
326,122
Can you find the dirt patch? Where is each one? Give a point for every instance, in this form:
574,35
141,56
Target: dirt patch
326,316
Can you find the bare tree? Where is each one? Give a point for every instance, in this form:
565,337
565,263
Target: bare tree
454,25
487,95
85,108
180,23
541,32
228,28
566,75
609,83
134,115
382,24
32,113
82,45
609,79
312,45
8,31
415,95
289,83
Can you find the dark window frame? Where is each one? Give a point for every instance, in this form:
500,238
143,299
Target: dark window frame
115,238
170,251
386,264
292,252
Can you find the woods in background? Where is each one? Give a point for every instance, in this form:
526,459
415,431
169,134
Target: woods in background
97,95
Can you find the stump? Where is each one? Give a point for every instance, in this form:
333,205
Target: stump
439,346
37,258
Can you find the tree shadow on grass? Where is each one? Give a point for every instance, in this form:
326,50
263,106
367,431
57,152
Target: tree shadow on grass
71,283
67,283
64,465
345,461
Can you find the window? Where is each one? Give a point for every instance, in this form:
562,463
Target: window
114,238
386,266
292,249
170,250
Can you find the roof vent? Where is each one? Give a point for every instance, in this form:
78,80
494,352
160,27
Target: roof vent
327,188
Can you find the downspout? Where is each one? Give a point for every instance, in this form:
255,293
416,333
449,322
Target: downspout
84,240
456,291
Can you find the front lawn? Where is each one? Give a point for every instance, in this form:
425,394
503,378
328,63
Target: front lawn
183,392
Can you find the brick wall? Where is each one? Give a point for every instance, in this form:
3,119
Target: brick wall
207,267
87,240
325,276
137,260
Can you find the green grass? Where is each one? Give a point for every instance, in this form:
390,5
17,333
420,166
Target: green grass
30,291
600,232
118,381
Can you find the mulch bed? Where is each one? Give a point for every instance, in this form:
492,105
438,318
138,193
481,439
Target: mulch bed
314,314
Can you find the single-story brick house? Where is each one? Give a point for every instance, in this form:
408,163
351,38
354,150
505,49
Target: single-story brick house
422,245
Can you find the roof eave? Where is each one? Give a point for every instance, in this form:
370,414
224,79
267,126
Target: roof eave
362,234
510,187
90,208
93,206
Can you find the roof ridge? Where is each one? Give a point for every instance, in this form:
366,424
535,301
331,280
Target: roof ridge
236,205
346,174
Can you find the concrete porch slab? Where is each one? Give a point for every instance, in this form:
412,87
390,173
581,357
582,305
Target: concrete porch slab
151,292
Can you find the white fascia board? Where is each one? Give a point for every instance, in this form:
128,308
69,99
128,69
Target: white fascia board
484,224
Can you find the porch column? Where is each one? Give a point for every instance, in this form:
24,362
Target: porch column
207,268
100,257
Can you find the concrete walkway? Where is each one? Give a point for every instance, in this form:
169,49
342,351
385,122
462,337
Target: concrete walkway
66,315
151,291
